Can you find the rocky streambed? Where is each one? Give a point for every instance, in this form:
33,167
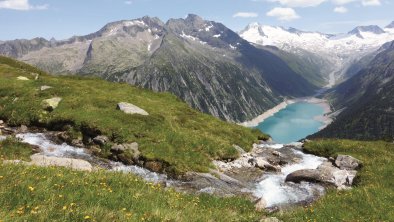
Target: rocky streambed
275,176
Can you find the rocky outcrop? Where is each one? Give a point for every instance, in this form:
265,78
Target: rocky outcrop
264,158
326,173
345,162
100,140
127,153
215,182
131,109
51,104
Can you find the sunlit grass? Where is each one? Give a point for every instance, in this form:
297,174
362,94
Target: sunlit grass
173,132
58,194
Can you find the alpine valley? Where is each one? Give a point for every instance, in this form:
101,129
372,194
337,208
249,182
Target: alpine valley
146,120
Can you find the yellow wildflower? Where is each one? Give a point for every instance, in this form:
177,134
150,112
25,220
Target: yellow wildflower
31,188
87,217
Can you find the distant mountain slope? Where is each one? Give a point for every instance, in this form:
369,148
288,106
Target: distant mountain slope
203,62
369,101
335,54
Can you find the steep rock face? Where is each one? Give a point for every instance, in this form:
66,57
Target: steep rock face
202,62
367,100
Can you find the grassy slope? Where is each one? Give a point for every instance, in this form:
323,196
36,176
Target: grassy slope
12,149
372,199
173,132
59,194
39,194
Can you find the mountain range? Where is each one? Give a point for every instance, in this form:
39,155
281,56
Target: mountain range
202,62
234,76
365,102
337,54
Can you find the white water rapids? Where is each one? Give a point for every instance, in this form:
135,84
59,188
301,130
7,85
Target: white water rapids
272,187
49,148
275,191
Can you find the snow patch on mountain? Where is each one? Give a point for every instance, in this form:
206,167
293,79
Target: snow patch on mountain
341,50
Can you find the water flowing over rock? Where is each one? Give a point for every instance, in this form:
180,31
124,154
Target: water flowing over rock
131,109
2,138
240,177
325,173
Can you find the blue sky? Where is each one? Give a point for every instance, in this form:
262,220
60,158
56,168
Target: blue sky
64,18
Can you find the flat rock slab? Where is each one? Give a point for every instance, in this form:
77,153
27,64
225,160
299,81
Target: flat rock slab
42,88
51,104
131,109
76,164
22,78
46,161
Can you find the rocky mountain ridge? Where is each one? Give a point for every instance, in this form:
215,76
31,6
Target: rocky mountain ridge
202,62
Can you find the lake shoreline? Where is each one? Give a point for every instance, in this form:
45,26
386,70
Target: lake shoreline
326,119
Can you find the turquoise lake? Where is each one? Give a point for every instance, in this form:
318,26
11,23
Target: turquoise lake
293,123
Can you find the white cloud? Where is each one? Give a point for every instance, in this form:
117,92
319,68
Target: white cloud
283,14
299,3
245,15
23,5
340,9
371,2
129,2
342,2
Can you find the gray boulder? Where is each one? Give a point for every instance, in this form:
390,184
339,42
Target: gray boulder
263,164
326,173
117,148
345,162
128,153
131,109
51,104
101,140
308,175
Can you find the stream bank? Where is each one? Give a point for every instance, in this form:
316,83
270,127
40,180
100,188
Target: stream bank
260,175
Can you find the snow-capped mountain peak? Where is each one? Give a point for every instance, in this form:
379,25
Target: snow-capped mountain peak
362,29
339,50
390,26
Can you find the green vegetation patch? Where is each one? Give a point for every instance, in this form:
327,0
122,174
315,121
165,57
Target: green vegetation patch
173,132
372,198
59,194
12,149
